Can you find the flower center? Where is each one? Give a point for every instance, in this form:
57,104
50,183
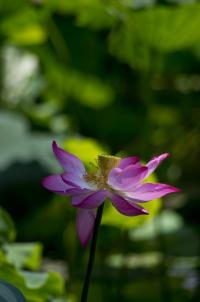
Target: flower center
106,163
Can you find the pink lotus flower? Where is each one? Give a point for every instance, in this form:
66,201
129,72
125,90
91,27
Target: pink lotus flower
120,180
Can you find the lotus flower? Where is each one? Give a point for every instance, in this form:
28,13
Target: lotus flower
120,180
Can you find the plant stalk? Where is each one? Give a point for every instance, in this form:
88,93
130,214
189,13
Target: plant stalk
87,279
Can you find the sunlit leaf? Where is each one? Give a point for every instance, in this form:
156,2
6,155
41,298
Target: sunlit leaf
32,34
24,27
21,81
87,149
36,287
147,33
150,259
3,259
19,144
92,13
7,229
24,255
165,223
89,90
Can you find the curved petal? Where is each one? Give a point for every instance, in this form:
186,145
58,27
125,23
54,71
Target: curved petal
127,178
55,184
84,224
155,161
90,200
68,161
127,161
125,207
150,191
75,180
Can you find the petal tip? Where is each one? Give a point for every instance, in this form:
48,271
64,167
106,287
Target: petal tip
166,155
173,189
44,182
145,212
176,190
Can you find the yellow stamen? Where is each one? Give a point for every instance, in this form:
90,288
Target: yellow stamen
107,163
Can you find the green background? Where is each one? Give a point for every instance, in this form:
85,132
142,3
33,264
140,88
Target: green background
99,76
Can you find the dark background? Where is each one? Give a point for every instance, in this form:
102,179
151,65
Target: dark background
117,76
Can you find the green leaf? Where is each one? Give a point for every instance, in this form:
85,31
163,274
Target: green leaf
7,228
88,90
50,282
3,259
36,287
32,34
28,83
146,34
24,27
91,13
165,223
24,255
19,144
87,149
150,259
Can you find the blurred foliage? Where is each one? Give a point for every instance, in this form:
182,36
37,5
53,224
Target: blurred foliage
115,76
145,35
7,229
24,255
15,257
86,149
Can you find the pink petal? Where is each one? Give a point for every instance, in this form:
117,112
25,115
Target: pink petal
150,191
75,180
76,191
127,178
55,184
125,207
153,164
127,161
90,200
84,224
68,161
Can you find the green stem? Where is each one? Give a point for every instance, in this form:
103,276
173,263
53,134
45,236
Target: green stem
86,284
